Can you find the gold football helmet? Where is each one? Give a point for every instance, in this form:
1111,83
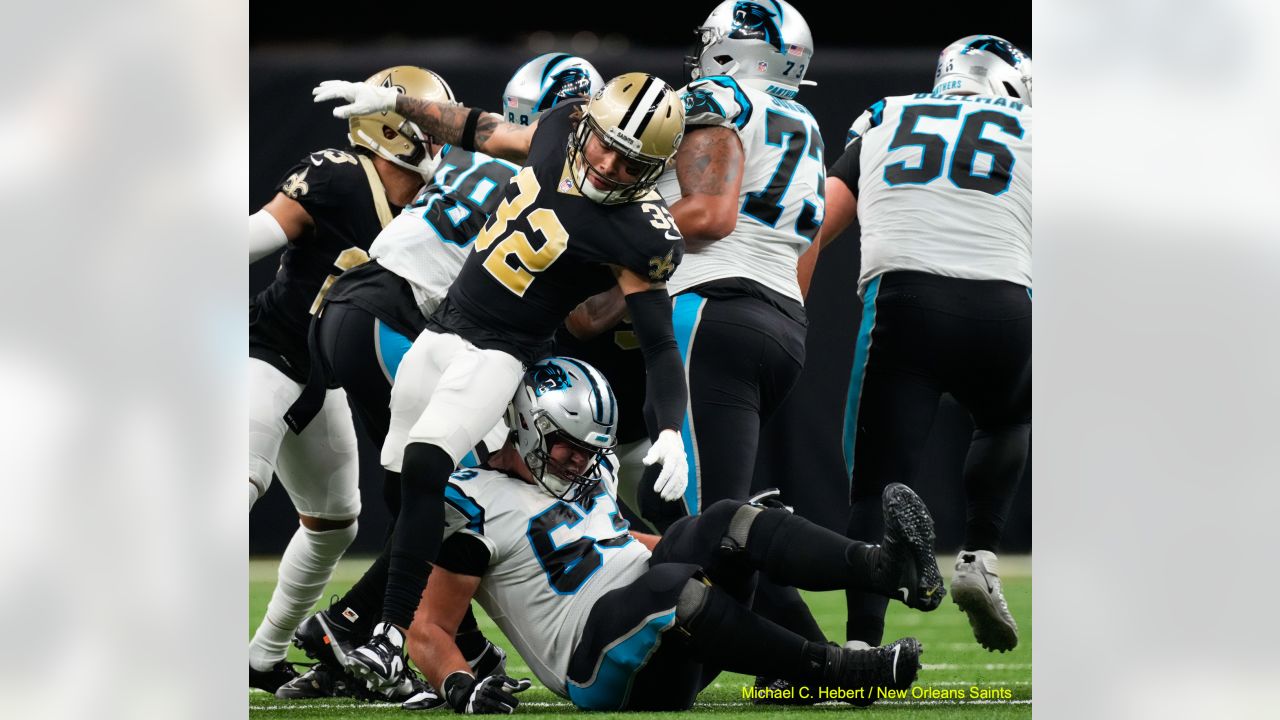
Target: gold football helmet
639,116
390,134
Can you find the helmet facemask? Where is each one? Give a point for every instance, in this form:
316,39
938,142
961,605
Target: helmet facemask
556,479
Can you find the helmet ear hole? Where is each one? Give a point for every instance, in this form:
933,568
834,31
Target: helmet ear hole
723,59
1010,89
388,133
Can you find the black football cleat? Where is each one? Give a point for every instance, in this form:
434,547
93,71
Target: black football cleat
913,577
866,670
328,638
271,680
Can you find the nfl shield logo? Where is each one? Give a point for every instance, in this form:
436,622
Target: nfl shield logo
512,102
795,50
762,66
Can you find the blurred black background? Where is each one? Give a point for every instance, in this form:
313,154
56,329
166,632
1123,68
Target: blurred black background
859,58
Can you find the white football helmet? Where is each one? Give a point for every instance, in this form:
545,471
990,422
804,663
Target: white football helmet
391,135
543,82
562,399
765,44
984,65
637,115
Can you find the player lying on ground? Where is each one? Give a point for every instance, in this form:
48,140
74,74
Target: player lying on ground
615,621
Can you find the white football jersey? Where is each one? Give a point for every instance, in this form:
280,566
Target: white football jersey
784,176
944,186
429,240
549,560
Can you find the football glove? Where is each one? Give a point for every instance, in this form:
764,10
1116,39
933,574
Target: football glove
668,451
491,696
364,99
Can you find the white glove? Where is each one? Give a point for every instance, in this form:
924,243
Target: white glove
668,451
365,99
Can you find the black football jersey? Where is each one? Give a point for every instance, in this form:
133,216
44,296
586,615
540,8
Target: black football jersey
341,191
547,248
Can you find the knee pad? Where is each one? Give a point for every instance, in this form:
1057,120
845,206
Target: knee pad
260,472
693,598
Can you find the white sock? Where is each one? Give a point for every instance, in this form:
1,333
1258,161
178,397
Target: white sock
253,494
305,569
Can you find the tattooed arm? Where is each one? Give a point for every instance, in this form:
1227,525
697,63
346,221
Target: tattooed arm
494,136
709,166
444,122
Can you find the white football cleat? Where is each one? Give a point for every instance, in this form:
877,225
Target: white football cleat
976,589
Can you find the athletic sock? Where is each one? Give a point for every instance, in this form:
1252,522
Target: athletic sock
419,530
305,569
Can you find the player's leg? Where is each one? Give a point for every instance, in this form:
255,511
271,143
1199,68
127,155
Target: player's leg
319,469
271,393
995,386
892,400
733,538
362,355
468,389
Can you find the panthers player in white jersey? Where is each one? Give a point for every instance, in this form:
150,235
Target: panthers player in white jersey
746,193
941,183
615,620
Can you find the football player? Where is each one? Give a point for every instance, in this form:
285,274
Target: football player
620,621
326,210
579,218
747,194
372,315
941,183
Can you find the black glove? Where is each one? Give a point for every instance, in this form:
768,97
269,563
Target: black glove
490,696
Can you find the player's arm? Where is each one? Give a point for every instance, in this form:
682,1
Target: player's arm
709,167
666,394
596,314
279,222
841,209
467,128
462,562
430,639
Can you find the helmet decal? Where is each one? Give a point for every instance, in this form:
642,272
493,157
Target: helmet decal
571,82
548,376
753,21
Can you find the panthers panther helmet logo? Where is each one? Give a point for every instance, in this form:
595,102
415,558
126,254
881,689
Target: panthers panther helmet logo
574,82
548,376
752,21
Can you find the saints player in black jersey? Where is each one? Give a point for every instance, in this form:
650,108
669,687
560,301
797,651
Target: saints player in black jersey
581,217
374,312
328,208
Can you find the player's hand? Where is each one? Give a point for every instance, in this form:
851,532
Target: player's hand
491,696
363,98
668,451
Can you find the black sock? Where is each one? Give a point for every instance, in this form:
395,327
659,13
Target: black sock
727,635
364,599
419,530
790,550
992,471
865,609
784,606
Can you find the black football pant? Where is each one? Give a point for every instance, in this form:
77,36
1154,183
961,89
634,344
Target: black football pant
921,336
361,354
